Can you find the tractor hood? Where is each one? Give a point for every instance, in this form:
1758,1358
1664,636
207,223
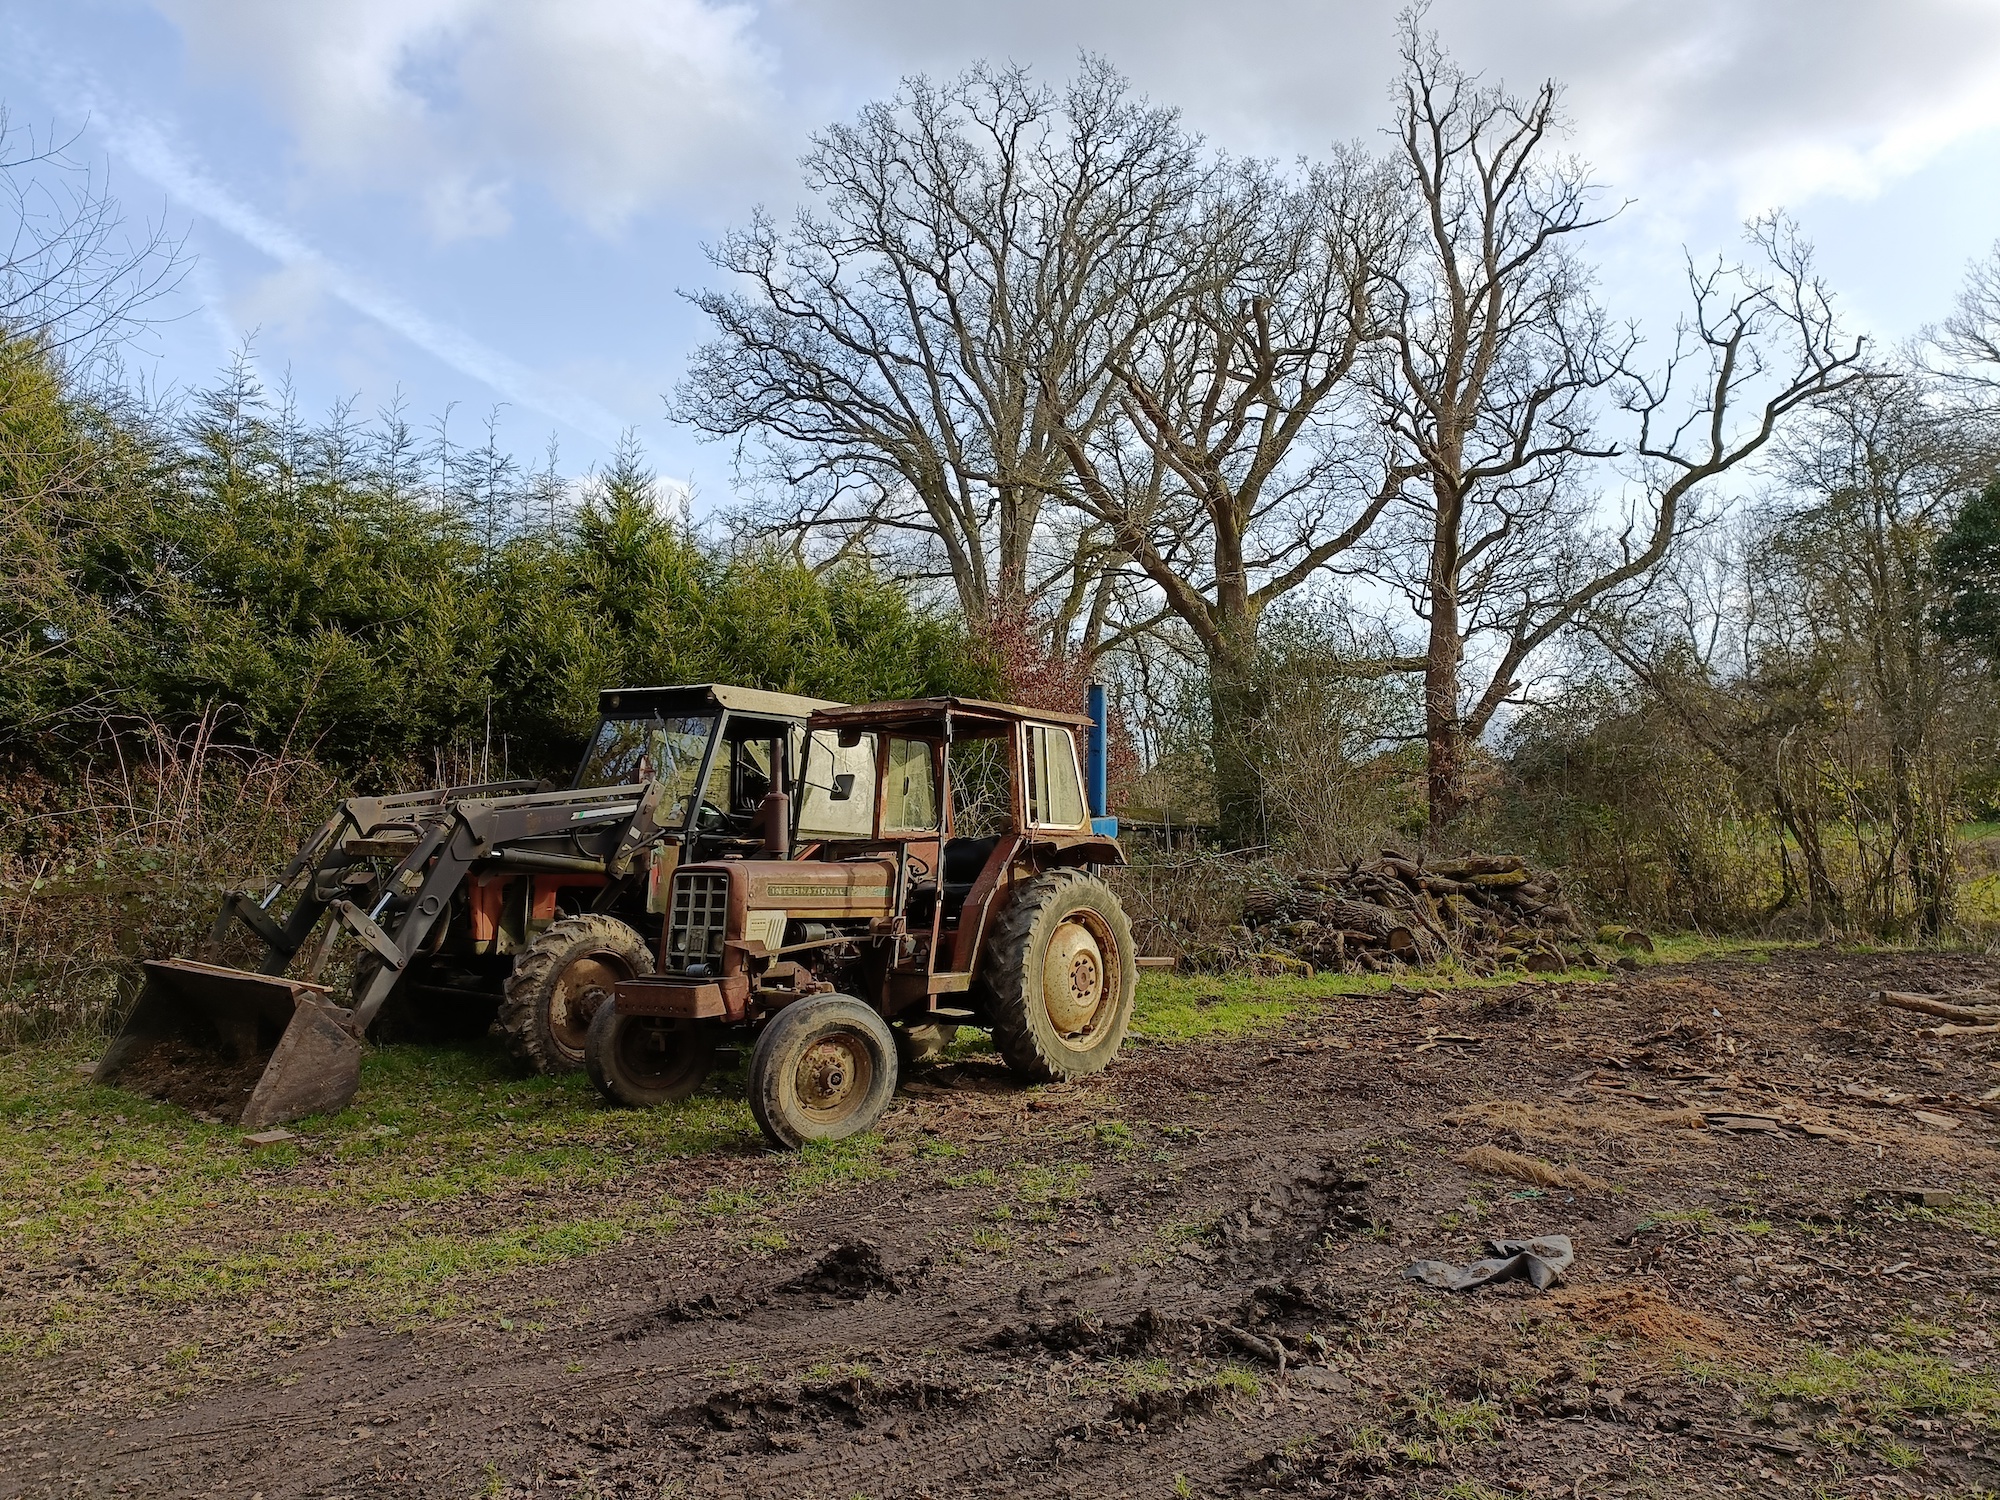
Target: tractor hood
815,888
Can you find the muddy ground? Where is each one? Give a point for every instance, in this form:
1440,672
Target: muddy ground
1781,1200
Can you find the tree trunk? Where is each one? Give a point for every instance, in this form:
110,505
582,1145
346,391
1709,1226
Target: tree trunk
1444,731
1823,901
1927,846
1236,705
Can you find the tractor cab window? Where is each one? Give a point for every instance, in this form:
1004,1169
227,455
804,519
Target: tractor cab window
668,751
912,802
982,787
752,771
1055,791
837,787
742,776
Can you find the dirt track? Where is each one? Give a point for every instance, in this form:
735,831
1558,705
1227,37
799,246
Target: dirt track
1007,1322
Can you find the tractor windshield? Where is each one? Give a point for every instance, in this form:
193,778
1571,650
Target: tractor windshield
837,790
668,751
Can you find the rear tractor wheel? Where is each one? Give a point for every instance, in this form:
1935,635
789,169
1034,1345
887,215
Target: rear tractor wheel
558,984
824,1069
1058,976
643,1061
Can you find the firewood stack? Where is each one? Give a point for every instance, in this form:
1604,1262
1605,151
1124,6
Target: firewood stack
1486,911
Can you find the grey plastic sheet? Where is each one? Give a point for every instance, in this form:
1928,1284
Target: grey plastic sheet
1540,1261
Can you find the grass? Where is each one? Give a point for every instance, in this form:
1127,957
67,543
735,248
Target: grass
1173,1008
1873,1390
1971,1211
1235,1380
448,1172
451,1171
1886,1385
1979,899
1693,947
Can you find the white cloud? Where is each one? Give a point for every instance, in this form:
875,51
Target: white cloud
1763,100
609,106
1778,102
616,106
146,148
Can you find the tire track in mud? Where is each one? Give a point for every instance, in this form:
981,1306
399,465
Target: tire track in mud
1085,1359
673,1352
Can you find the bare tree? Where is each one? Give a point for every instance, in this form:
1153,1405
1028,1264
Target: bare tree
75,278
1492,376
1970,338
1874,479
975,248
1235,471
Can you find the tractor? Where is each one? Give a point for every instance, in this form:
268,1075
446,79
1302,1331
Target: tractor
936,869
506,905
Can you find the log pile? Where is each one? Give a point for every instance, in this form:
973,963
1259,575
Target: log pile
1484,911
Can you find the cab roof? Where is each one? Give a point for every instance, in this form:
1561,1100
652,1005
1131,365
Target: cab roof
928,715
707,698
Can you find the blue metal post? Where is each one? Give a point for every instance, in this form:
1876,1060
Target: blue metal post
1097,759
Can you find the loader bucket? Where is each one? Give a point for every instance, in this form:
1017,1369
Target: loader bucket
255,1048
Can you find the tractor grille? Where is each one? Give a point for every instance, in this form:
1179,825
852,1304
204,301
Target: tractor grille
698,920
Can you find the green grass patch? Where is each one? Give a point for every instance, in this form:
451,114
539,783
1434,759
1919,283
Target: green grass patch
1979,899
1114,1135
1888,1386
1973,1211
1236,1380
449,1171
1062,1183
1198,1007
1694,947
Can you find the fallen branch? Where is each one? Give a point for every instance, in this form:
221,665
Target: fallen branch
1930,1005
1244,1339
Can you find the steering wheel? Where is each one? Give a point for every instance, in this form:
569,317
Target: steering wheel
708,818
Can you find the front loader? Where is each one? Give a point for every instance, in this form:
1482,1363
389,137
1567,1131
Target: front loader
938,870
505,906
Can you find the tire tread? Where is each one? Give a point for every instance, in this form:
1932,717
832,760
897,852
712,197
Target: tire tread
519,1020
1004,979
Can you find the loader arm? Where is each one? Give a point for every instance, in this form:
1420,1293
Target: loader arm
282,943
481,830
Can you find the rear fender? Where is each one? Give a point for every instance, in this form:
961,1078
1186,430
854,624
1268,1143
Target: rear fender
1071,853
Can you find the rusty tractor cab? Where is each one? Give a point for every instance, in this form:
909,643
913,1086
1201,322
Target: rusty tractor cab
939,874
505,905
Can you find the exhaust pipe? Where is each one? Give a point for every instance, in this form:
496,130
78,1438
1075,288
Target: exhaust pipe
258,1049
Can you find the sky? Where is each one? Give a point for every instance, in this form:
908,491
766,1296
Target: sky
495,204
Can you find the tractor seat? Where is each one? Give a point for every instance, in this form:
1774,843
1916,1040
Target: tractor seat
963,860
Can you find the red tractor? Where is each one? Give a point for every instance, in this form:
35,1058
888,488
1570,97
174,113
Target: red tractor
933,867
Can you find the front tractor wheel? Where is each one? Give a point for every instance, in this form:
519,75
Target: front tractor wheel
1058,977
558,984
643,1061
824,1069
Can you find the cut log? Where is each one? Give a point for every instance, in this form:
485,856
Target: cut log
1478,864
1930,1005
1370,920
